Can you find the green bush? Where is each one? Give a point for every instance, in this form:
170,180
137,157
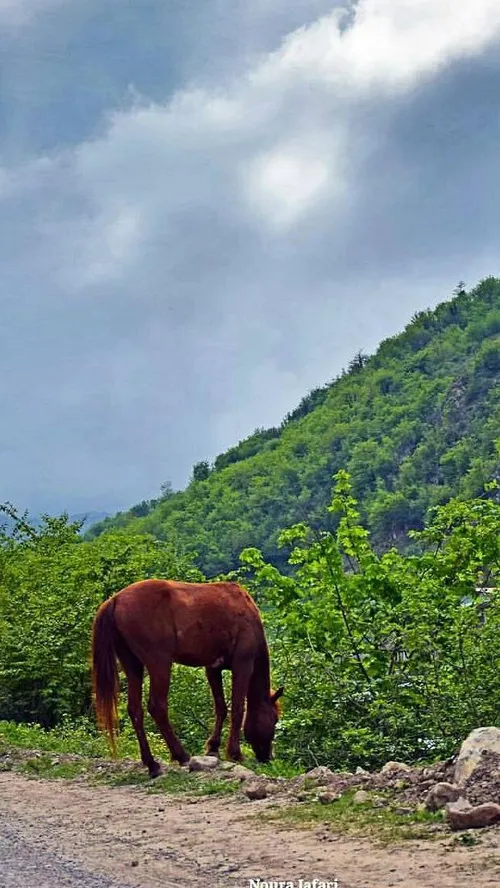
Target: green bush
384,656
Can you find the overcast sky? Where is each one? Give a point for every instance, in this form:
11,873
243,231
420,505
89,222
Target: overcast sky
207,208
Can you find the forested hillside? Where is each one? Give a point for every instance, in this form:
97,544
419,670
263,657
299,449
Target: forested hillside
414,425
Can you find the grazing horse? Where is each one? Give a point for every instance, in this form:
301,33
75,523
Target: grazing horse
154,623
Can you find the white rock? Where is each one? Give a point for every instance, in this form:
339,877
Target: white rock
203,763
321,774
394,767
479,741
239,772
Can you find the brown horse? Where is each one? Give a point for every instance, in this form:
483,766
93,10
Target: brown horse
154,623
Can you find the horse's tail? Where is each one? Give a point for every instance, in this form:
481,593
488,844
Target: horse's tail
105,671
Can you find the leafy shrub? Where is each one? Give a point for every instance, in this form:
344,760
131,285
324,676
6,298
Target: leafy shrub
384,656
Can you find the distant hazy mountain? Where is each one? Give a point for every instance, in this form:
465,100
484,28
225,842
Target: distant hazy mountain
88,518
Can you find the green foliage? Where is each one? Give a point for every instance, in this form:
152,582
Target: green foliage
414,425
51,584
384,656
77,737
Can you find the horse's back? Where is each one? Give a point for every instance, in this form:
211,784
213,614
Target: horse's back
199,624
227,598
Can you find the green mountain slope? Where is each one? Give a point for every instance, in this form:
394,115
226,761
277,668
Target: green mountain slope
414,424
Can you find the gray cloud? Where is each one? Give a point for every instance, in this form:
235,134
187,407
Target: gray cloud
189,267
65,65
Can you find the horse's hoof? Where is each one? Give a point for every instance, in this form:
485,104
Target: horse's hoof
183,760
235,756
155,771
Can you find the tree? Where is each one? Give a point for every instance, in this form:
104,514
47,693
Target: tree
460,289
201,471
357,362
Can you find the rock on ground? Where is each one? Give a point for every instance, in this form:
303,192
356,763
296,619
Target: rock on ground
255,789
321,774
395,768
463,815
239,772
203,763
478,742
440,795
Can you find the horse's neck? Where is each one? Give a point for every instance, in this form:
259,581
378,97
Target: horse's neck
260,683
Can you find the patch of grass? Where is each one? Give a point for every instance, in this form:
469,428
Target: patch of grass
467,839
46,766
275,768
346,816
218,787
80,740
113,776
176,781
79,737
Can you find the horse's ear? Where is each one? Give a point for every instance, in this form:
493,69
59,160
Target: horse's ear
277,694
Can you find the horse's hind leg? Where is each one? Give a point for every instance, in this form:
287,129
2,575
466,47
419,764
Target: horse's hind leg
134,672
241,678
158,707
136,713
214,677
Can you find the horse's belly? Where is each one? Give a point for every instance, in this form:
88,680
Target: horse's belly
203,645
197,660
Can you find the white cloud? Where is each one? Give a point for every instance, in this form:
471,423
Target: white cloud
385,43
284,182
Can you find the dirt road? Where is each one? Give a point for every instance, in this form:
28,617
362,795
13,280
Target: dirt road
60,833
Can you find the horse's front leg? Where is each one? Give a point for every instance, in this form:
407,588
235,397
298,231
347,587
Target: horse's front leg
214,677
241,678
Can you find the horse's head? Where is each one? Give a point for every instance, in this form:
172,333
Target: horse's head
260,724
